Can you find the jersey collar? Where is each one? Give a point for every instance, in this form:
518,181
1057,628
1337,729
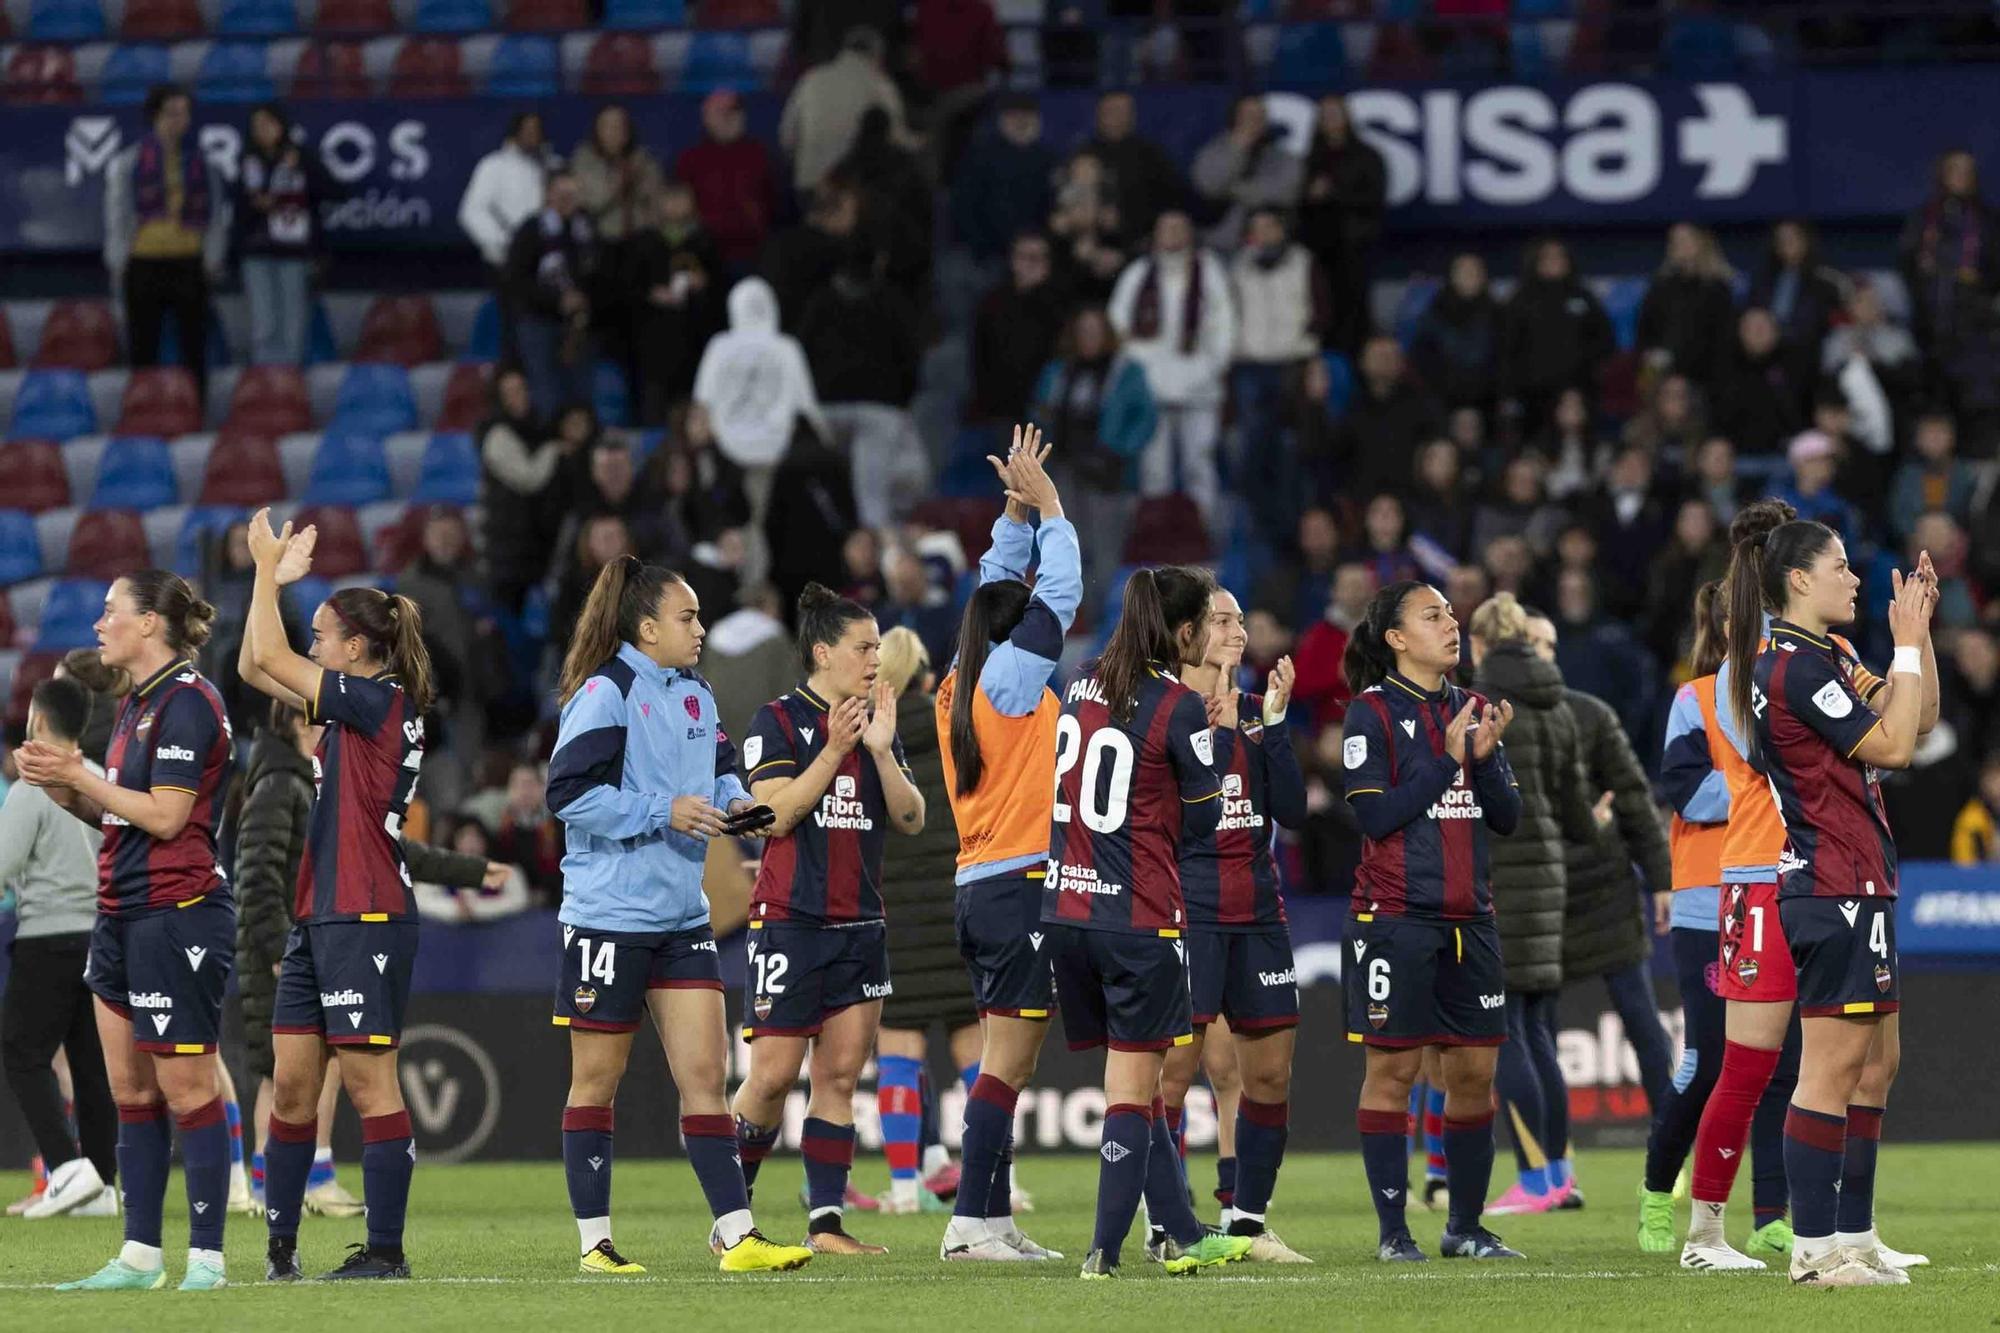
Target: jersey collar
645,666
154,681
1784,634
1407,686
807,693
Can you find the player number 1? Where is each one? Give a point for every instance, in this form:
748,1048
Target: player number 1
1756,930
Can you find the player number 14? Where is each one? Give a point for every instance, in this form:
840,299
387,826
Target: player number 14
601,963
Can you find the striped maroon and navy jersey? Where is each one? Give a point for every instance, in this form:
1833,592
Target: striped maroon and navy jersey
172,734
1423,814
828,870
365,771
1125,796
1229,877
1810,721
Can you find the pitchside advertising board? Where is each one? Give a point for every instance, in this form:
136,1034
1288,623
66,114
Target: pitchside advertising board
1828,144
485,1074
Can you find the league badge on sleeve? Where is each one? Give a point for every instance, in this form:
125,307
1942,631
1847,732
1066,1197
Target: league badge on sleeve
753,750
1354,751
1203,745
1833,700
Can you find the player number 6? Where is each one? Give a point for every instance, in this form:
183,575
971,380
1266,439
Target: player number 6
1378,978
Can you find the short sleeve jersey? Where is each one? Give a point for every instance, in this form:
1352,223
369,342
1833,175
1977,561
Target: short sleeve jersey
1229,877
365,770
1811,718
171,734
1115,838
828,870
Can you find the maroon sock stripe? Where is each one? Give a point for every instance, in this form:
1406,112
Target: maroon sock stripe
144,1114
1371,1122
1825,1132
588,1117
708,1126
1476,1122
1271,1115
202,1116
1864,1122
294,1131
1128,1108
385,1128
987,1088
836,1151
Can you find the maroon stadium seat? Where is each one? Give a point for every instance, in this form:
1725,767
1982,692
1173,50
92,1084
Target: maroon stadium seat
34,669
79,335
332,69
1400,54
41,75
36,479
402,330
7,358
242,469
160,401
739,14
971,518
1167,530
340,552
354,16
428,67
160,20
270,400
467,396
398,543
620,64
107,543
547,15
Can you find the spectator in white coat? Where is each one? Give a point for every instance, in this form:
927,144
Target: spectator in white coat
505,191
1283,306
1174,313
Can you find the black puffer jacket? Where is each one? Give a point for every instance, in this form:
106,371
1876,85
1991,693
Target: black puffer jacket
270,838
1529,887
1604,928
917,876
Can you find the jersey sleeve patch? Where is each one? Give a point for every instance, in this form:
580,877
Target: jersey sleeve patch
1203,745
1832,700
1354,751
753,750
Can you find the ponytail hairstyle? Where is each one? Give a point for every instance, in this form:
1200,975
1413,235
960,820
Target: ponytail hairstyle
1499,619
824,616
1711,643
625,593
990,616
394,628
1758,571
1369,658
187,618
904,659
1158,603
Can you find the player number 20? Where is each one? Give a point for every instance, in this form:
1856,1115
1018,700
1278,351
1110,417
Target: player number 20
599,963
1103,805
1378,978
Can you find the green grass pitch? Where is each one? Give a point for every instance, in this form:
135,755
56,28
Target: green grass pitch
493,1248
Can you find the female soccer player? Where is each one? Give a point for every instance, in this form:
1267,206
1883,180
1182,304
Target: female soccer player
1135,774
1819,744
639,800
1239,947
165,938
345,977
819,961
1427,777
999,715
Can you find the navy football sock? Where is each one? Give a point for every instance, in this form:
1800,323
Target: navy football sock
1121,1175
1225,1178
829,1154
711,1150
1815,1149
1856,1211
1385,1160
388,1158
145,1143
989,1122
1166,1187
288,1155
753,1145
1261,1131
205,1163
586,1148
1468,1169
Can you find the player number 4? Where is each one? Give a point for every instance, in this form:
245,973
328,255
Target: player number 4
601,963
1878,935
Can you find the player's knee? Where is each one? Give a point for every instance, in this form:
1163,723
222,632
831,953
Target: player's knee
1268,1085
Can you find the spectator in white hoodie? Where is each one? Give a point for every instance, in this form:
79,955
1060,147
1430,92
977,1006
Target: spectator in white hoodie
1173,310
505,191
1283,305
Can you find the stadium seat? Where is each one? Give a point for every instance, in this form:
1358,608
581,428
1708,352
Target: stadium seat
1340,388
355,16
235,72
34,476
1167,530
160,401
451,16
340,551
718,60
257,18
52,405
9,658
428,67
270,400
620,64
34,668
78,335
743,14
450,471
65,21
7,358
41,76
135,474
130,70
20,548
202,524
1622,298
402,330
70,615
644,13
349,469
1700,46
106,543
1400,54
160,20
1417,296
243,469
547,15
399,542
484,345
405,450
1308,54
524,66
467,397
610,396
332,69
374,400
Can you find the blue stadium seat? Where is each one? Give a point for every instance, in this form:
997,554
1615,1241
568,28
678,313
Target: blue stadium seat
66,21
321,349
525,66
20,548
484,344
1410,307
257,18
235,72
202,522
375,399
452,16
718,60
1542,9
1700,46
349,469
129,71
450,472
610,397
644,13
1531,54
135,473
69,617
1622,299
964,460
304,598
1309,54
1340,391
52,405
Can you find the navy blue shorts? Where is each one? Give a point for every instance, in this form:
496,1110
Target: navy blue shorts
802,974
346,981
1245,976
606,973
1408,982
1128,992
1003,942
166,971
1845,952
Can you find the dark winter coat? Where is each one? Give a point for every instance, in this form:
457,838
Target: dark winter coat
917,886
1553,336
1527,866
1456,347
1605,925
1691,318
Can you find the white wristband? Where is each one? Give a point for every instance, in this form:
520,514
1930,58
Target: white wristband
1272,717
1908,659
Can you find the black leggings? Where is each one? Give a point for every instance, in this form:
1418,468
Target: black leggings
1529,1079
47,1006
